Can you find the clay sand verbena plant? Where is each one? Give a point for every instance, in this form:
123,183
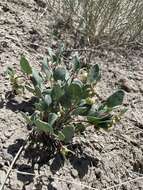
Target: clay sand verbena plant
65,98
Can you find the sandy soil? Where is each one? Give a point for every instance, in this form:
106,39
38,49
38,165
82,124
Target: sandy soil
104,159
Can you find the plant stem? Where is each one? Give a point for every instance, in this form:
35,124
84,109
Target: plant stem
64,118
81,121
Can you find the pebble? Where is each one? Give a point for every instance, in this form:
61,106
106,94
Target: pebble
55,186
15,185
29,187
8,134
7,156
41,3
58,186
98,172
76,186
36,166
127,85
74,173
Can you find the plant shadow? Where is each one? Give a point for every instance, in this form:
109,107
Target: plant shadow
25,168
23,106
14,148
40,154
1,104
37,155
17,103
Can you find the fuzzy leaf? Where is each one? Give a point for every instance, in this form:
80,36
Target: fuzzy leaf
115,99
94,74
100,118
25,66
76,63
75,90
46,68
99,123
93,120
37,78
66,100
59,73
48,100
104,124
57,92
45,65
52,118
43,126
51,52
61,136
68,132
82,110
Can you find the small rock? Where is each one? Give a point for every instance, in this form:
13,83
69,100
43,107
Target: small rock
14,184
98,173
7,156
3,138
75,186
127,85
41,3
57,186
74,173
44,187
36,166
54,185
8,134
29,187
5,8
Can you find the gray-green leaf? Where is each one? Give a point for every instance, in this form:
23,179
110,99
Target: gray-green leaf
61,136
76,62
43,126
57,92
48,100
25,66
59,73
68,132
115,99
52,118
38,79
94,74
46,68
75,90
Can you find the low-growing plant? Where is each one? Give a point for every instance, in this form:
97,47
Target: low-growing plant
66,101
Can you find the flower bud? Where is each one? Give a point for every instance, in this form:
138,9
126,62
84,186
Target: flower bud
82,75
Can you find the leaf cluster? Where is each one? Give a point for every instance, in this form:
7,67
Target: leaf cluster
66,97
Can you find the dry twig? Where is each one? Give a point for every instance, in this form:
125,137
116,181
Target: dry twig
83,185
12,164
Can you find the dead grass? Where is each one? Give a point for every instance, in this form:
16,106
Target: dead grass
118,20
